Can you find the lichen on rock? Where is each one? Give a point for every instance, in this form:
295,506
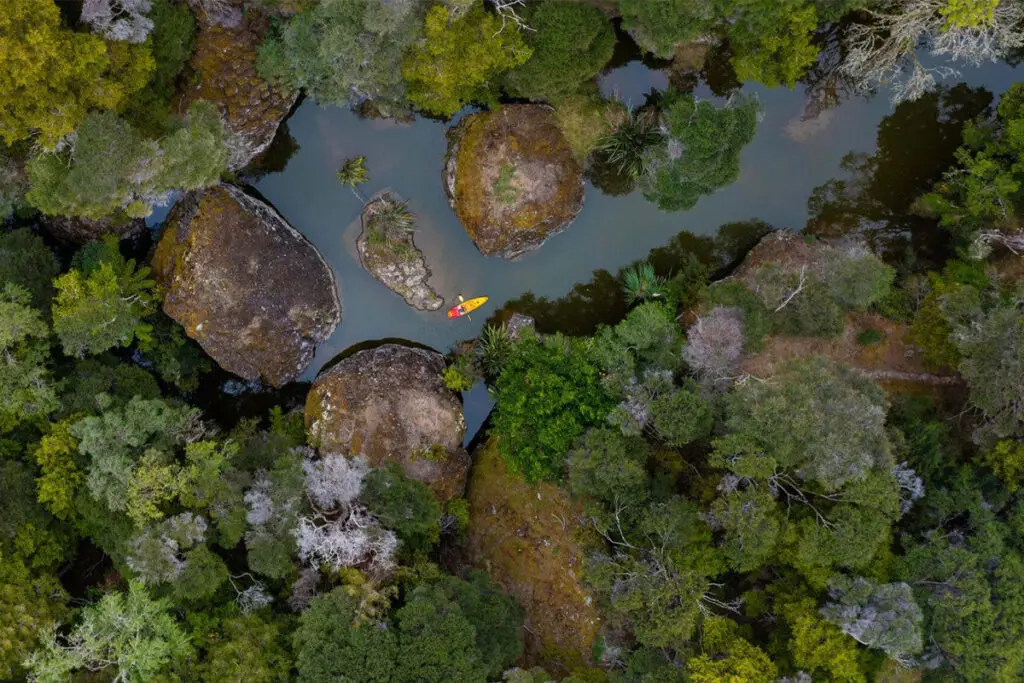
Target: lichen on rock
388,405
253,292
224,68
393,258
512,178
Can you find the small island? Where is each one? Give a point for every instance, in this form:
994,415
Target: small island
389,253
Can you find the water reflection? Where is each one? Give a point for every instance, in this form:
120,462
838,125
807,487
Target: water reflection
915,145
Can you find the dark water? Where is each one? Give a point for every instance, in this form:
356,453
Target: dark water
781,168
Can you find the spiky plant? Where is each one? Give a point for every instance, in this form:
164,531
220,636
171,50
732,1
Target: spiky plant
390,218
626,147
493,349
353,173
641,283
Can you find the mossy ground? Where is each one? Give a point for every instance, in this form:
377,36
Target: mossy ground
530,539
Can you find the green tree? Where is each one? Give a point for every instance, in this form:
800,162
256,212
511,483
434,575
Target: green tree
881,616
346,51
50,76
822,422
102,306
141,433
172,41
609,466
340,636
436,642
772,40
571,43
27,388
114,170
29,603
27,262
701,151
128,633
659,25
404,505
548,393
60,474
460,59
992,350
728,658
241,649
494,616
980,199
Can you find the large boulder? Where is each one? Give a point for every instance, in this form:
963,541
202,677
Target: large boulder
253,292
388,405
512,179
224,67
529,538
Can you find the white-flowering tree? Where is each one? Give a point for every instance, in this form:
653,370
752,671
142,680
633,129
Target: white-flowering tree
355,538
333,482
883,51
119,19
340,531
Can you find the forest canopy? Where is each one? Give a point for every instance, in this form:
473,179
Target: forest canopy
760,457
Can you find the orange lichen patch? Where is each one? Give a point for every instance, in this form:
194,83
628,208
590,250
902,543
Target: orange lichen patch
513,178
224,72
529,538
893,362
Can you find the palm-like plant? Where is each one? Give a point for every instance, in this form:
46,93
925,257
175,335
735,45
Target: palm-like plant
353,173
493,349
389,219
640,283
626,147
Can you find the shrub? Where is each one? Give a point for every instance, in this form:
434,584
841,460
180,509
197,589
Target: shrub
548,393
571,43
870,337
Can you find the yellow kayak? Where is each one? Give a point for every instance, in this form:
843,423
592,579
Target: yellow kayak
467,306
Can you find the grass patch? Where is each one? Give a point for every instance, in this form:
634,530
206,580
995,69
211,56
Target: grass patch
504,190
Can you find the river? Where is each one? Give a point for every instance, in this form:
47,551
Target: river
779,171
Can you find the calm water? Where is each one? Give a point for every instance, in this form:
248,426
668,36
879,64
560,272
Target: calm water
780,168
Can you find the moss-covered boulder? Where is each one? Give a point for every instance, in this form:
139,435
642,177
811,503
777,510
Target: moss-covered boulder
254,293
388,404
529,538
224,72
512,178
388,252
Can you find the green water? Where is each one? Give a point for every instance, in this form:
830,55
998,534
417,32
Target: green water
780,169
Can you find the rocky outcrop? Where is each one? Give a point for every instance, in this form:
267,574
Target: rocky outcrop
393,258
528,537
82,230
388,405
512,179
253,292
224,67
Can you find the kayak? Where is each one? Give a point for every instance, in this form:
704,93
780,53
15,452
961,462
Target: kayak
467,306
